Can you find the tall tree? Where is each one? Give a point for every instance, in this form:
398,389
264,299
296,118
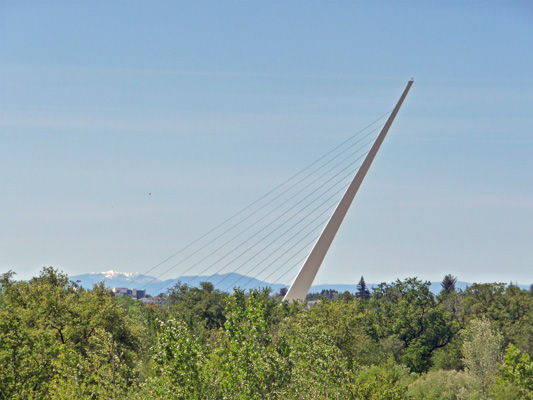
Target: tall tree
448,283
362,291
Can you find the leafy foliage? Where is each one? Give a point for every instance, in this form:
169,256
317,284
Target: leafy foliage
50,328
59,341
482,350
444,385
517,372
408,311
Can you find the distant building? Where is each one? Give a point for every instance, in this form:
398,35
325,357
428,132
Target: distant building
136,294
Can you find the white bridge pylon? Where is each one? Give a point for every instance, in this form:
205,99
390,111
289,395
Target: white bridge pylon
303,281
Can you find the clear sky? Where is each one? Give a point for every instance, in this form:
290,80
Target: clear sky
205,105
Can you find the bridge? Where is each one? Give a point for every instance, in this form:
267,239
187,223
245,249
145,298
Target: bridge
292,225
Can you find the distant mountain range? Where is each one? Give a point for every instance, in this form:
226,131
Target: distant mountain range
154,286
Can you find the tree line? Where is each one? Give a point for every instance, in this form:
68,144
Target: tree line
396,341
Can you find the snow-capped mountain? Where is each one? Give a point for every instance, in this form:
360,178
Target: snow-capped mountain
112,274
154,286
114,278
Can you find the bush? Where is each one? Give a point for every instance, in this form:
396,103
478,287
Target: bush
444,385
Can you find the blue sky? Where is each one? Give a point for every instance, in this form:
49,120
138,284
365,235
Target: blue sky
206,105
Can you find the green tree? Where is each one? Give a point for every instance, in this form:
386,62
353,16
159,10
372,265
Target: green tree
247,363
201,308
444,385
180,363
318,368
517,371
384,382
448,283
362,291
49,319
100,374
407,311
244,363
25,353
345,324
509,308
482,352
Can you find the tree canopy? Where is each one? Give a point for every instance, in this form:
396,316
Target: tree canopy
58,340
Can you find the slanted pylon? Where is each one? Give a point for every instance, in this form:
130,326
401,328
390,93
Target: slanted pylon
303,281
